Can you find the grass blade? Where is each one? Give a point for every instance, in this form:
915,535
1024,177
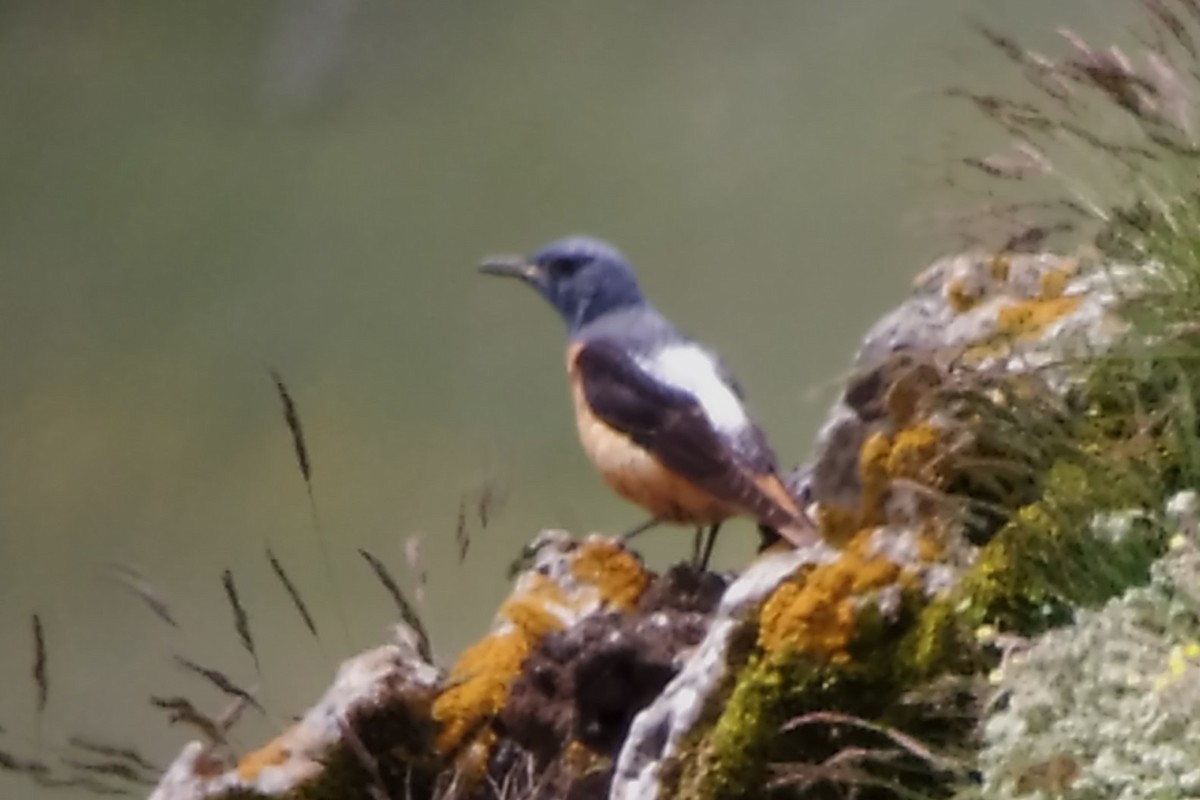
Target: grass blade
407,612
181,711
240,620
292,418
154,599
219,680
111,769
127,754
293,593
40,678
462,536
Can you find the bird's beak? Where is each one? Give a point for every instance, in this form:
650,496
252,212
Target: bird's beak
511,266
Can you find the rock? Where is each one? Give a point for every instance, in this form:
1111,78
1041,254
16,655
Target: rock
564,585
586,683
658,731
371,728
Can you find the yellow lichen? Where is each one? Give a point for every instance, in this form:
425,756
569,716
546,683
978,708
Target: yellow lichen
616,573
837,524
930,546
478,686
960,296
479,681
532,611
1053,282
817,611
999,266
1028,319
913,455
272,754
873,473
985,349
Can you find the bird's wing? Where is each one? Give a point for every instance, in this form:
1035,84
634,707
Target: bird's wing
671,424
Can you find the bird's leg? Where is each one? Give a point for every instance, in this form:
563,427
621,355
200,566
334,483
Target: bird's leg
697,544
708,546
640,529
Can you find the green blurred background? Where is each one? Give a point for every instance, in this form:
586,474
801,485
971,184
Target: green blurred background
192,194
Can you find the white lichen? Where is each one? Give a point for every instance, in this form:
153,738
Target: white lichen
1108,707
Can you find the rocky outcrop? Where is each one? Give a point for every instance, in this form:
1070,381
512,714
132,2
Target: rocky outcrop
966,486
371,732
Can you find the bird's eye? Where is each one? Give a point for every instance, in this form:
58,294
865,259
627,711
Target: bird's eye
564,267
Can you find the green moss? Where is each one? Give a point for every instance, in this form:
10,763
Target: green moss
733,758
732,753
732,762
939,641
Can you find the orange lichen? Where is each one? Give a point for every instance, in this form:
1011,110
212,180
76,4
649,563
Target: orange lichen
478,686
817,612
960,295
914,453
837,524
803,619
272,754
616,573
930,546
873,473
533,610
1027,319
610,577
981,351
1053,282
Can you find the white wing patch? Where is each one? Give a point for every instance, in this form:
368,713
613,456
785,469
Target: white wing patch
688,367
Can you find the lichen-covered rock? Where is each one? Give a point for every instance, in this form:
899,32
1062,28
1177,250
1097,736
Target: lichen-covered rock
584,684
564,584
579,691
892,602
657,733
371,729
977,484
970,314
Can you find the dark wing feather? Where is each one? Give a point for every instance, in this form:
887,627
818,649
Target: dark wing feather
671,424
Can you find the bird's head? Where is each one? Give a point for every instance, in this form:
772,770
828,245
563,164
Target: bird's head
583,278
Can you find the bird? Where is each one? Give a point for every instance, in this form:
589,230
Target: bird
658,414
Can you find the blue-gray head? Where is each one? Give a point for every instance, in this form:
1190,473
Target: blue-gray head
583,278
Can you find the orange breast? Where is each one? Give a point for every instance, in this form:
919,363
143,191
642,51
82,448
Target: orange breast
639,477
